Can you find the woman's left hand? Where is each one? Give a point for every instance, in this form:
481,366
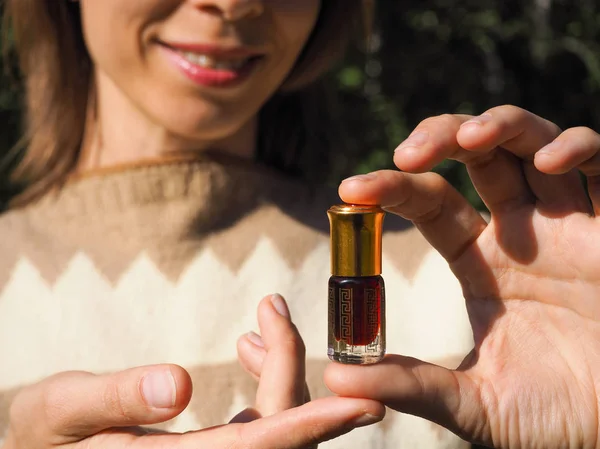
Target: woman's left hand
530,278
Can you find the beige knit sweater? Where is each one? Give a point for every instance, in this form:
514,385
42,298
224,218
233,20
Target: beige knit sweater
166,262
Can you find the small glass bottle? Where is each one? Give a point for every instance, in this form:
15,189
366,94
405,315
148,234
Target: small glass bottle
356,309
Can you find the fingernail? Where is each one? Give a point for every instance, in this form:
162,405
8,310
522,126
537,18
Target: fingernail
550,149
365,420
255,339
159,389
280,306
362,178
415,140
479,121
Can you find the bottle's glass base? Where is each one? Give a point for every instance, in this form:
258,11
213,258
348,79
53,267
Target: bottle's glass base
355,359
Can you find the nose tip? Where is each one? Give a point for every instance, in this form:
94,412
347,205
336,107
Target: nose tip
232,10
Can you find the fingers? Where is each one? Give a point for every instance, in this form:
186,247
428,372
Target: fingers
251,353
467,139
507,184
576,148
481,143
411,386
505,181
432,142
297,428
282,379
71,406
444,217
512,128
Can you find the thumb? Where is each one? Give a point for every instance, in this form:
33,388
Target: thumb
447,397
74,405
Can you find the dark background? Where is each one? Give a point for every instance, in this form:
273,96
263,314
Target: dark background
432,57
448,56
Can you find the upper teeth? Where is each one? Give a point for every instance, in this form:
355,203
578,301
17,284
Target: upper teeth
214,63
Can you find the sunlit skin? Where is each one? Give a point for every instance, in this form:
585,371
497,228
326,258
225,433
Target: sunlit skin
530,279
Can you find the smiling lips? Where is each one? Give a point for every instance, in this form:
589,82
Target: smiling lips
213,66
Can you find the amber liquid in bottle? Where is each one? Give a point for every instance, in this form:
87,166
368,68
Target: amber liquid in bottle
356,319
356,300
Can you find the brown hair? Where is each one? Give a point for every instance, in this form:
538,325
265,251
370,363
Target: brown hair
48,39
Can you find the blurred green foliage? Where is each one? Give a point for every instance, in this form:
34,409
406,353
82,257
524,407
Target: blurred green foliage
443,56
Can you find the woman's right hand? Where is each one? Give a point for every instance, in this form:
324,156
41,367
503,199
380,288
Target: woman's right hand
529,275
78,409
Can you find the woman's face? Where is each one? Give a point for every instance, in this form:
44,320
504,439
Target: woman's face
199,68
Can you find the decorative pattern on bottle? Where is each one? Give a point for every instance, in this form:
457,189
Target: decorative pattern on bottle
346,315
372,302
331,316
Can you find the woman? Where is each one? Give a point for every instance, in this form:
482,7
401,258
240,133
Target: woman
161,202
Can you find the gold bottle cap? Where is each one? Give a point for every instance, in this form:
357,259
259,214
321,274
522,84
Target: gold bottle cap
355,240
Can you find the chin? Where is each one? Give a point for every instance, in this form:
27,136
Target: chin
199,120
200,129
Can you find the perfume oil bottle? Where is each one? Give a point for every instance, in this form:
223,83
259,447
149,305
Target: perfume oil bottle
356,309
